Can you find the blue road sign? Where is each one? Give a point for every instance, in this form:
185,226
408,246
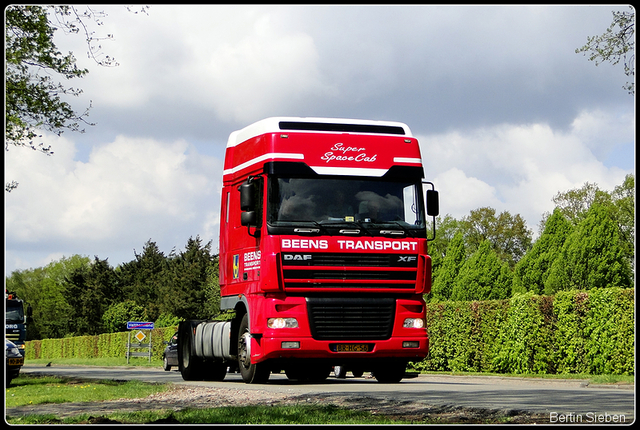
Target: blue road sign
136,325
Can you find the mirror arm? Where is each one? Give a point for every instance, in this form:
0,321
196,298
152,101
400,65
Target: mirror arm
433,189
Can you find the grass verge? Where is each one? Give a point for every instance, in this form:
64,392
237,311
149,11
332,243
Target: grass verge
279,415
32,390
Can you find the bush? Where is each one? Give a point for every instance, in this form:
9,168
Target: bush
98,346
523,340
573,332
116,316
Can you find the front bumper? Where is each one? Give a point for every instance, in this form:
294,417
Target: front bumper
407,348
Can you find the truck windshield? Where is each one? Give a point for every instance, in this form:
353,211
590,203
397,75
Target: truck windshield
374,203
14,313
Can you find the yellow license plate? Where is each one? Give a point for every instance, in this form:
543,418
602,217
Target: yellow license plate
352,347
15,361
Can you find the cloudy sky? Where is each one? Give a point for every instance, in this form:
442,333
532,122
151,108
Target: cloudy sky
506,112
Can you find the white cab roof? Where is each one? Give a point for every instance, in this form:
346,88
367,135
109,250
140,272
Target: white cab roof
273,125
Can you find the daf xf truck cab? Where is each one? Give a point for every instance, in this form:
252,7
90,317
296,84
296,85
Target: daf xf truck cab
323,253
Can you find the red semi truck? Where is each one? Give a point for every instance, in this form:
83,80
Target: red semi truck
323,253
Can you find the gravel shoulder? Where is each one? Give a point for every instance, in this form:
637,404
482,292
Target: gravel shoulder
182,397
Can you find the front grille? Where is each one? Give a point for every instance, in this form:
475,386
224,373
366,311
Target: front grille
351,318
342,270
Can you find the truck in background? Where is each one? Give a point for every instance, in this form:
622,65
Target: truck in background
323,253
16,320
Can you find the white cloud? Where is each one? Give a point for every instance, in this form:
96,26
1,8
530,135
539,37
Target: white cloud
458,193
129,191
601,131
235,63
517,168
265,72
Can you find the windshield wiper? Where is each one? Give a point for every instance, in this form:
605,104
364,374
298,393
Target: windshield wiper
358,224
404,229
310,230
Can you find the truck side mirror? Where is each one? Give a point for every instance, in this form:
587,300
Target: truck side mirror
247,202
248,218
433,203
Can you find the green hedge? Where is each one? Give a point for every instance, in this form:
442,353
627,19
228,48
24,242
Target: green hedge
103,345
573,332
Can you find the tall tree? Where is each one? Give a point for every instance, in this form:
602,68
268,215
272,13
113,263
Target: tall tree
616,44
185,295
33,97
483,277
508,235
452,262
142,278
90,292
532,270
44,289
212,289
446,229
37,73
27,285
575,204
591,256
117,315
623,211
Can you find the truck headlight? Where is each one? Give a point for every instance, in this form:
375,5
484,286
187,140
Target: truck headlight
282,323
413,323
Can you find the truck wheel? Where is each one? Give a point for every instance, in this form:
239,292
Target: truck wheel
190,366
340,372
252,373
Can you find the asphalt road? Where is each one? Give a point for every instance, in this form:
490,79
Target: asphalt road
560,399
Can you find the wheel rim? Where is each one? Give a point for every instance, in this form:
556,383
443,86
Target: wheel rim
186,353
244,350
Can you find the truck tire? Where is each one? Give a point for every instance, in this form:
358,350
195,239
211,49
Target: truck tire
340,372
190,366
252,373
